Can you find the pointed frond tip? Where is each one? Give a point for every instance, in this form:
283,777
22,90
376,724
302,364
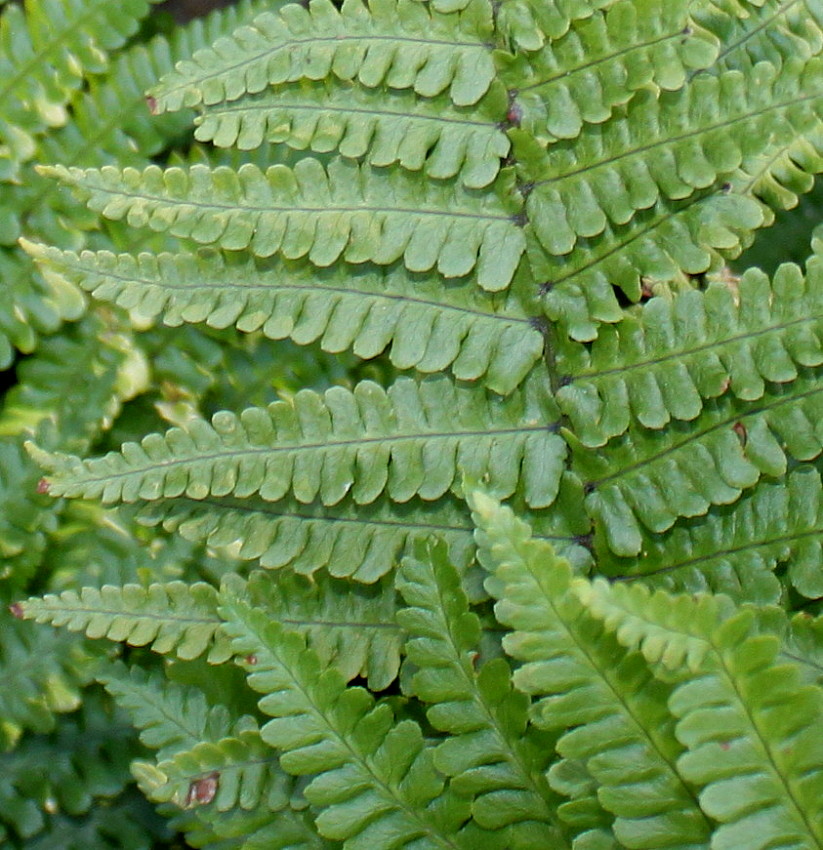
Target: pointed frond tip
392,43
413,439
346,211
173,618
425,325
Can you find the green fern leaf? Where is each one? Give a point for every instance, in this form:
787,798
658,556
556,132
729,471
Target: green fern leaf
173,617
346,212
737,550
423,325
751,729
528,24
362,542
657,476
613,712
372,774
383,127
657,246
171,718
574,80
397,44
660,364
365,441
490,756
706,131
349,627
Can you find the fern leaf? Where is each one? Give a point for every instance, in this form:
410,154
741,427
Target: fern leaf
657,246
657,476
235,772
528,24
362,542
45,52
346,212
385,128
758,757
371,774
349,627
173,617
424,325
704,132
489,755
736,551
413,439
660,364
614,712
171,718
574,80
397,44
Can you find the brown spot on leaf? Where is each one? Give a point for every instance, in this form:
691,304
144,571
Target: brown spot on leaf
251,660
43,486
152,104
202,791
17,610
740,429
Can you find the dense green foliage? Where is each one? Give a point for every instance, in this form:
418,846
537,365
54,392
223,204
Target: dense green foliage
383,395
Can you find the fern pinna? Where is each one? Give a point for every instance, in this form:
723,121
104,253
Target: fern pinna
540,566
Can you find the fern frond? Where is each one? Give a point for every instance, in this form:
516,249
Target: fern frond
413,439
612,714
45,53
659,364
362,542
657,476
172,617
658,246
490,755
393,43
528,24
668,144
423,324
384,128
371,774
602,62
343,212
348,626
171,718
736,550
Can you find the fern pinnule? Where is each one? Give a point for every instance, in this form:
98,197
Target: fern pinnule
490,755
343,211
421,324
173,617
370,44
382,127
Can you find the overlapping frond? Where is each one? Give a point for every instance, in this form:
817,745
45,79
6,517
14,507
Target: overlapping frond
661,245
611,713
413,440
654,477
348,626
747,721
659,364
528,24
371,773
174,617
736,550
602,62
421,323
399,44
491,756
344,211
45,53
429,135
668,144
